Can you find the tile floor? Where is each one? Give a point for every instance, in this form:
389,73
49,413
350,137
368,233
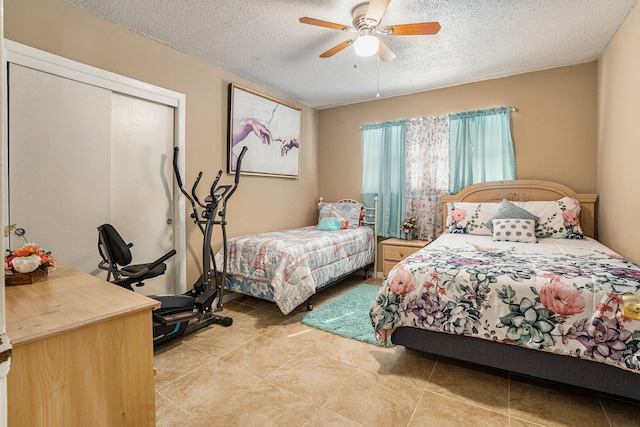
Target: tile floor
268,369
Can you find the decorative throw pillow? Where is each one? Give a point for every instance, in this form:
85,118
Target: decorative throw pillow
514,230
508,210
331,224
558,219
348,211
470,218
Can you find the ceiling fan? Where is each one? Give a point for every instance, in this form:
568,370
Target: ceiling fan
366,19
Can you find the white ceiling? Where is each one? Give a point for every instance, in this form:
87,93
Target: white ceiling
263,41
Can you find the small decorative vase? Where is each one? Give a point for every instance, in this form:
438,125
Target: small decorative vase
409,236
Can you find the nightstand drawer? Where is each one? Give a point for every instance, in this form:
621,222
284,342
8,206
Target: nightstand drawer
398,253
387,266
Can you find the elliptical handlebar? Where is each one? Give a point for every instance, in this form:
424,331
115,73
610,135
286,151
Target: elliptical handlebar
214,185
227,190
193,190
176,172
237,178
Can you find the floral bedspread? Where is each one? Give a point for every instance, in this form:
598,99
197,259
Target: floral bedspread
557,295
292,260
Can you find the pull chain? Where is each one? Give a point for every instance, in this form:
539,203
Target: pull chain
378,81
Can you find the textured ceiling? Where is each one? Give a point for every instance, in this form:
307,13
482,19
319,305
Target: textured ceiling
264,42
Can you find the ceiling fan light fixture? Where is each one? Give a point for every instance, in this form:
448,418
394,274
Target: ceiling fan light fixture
366,45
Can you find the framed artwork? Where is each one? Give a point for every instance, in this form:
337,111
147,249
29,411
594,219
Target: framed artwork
268,128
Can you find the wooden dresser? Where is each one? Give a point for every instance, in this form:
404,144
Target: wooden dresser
395,250
82,353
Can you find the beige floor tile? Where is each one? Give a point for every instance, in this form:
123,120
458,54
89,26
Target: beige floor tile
176,360
203,390
371,401
294,333
258,303
259,320
352,352
313,376
327,418
471,384
621,413
170,415
261,356
441,411
554,405
220,340
265,405
517,422
404,366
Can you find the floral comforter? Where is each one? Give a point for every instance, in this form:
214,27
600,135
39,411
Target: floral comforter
557,295
295,262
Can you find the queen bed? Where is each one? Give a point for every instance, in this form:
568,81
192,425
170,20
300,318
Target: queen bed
288,267
518,282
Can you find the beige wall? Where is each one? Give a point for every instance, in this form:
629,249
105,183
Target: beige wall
261,203
619,139
554,132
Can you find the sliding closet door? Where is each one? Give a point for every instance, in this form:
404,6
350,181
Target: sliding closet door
142,182
81,156
59,163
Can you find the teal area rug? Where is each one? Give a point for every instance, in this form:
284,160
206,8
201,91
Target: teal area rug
347,315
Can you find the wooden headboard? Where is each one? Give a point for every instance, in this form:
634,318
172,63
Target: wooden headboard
524,190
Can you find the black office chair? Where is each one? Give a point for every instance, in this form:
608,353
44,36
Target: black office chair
116,260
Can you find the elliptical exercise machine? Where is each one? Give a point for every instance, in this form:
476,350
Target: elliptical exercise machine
179,315
167,324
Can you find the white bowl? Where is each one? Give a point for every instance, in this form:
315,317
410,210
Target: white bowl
26,264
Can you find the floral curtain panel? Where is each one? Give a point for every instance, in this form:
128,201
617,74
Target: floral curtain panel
427,173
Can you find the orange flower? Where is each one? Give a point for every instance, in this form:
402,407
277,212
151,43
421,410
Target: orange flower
28,249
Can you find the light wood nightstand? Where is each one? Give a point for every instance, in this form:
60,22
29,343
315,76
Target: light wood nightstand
395,250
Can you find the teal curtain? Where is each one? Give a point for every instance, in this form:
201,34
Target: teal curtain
383,173
480,148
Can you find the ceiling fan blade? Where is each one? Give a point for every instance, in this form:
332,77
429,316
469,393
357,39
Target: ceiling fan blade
336,49
385,53
424,28
376,9
326,24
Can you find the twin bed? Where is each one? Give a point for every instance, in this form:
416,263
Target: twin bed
518,282
288,267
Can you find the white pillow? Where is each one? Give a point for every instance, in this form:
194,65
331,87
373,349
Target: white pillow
514,230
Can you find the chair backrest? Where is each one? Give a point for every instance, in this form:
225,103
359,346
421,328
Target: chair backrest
117,250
